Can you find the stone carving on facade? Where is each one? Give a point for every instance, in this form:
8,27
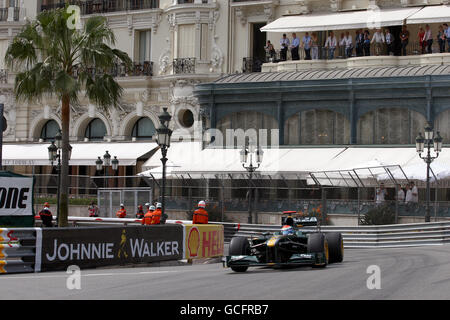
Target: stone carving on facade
216,56
165,59
303,7
335,5
130,24
156,20
9,112
268,12
240,14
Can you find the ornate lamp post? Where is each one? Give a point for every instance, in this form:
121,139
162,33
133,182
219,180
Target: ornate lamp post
54,153
429,141
163,138
106,162
247,163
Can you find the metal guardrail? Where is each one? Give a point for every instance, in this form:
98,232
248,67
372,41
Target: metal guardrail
18,249
397,235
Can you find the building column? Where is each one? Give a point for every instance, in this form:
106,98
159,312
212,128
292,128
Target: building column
353,117
280,121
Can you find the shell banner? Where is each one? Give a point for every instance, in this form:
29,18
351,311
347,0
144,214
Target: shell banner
203,241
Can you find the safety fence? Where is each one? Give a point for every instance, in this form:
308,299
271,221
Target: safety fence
397,235
51,249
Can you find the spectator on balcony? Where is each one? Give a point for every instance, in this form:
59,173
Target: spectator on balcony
428,39
441,39
366,44
342,41
330,45
284,43
314,46
447,35
348,45
270,51
294,47
389,42
378,39
404,38
408,197
359,42
421,36
306,44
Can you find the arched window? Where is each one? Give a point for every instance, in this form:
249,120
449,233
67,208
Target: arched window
49,130
95,130
143,129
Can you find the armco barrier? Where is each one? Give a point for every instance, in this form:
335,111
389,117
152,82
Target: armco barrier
18,250
397,235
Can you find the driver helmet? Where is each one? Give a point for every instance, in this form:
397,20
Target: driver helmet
286,230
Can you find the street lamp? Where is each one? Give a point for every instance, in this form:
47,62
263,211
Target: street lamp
106,162
163,138
428,141
247,156
54,153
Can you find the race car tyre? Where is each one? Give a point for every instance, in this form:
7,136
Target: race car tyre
239,246
335,246
317,243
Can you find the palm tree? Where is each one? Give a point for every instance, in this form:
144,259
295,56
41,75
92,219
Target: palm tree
53,60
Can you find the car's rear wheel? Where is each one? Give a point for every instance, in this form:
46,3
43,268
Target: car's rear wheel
335,246
239,246
317,243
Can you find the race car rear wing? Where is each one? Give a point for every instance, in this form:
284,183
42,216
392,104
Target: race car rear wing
299,221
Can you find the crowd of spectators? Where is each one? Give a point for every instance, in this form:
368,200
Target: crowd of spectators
359,45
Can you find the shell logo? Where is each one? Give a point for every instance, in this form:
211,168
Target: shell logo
193,242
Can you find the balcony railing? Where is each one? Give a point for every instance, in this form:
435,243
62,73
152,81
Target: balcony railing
4,14
105,6
184,65
144,69
250,64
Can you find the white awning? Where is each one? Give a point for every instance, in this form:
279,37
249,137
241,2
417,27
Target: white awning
83,154
431,14
178,154
341,21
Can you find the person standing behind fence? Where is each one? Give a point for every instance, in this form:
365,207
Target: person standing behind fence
331,44
408,197
441,39
421,36
389,42
294,47
447,35
380,194
366,44
121,213
428,39
404,37
359,42
148,216
284,44
140,212
415,193
46,216
379,40
314,46
348,45
156,215
400,194
93,210
306,44
200,215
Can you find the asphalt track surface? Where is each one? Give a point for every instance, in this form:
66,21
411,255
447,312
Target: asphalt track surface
407,273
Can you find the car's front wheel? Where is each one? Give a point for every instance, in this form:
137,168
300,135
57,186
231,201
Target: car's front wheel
239,246
317,243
